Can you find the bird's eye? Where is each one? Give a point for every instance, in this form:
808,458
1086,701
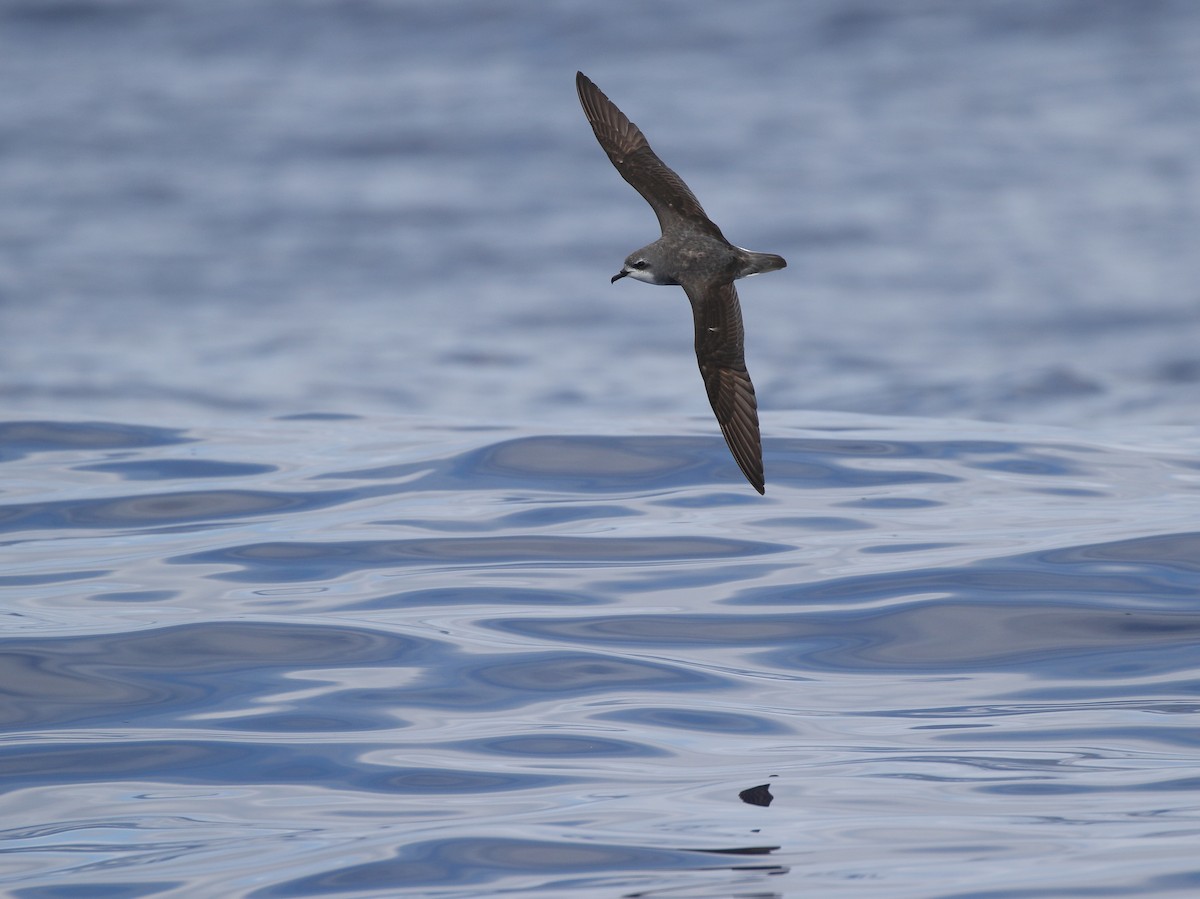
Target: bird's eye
639,263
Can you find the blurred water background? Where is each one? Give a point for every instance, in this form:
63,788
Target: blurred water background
360,539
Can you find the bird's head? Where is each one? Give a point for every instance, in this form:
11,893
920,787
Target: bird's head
641,267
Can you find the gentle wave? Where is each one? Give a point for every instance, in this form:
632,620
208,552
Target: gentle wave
606,664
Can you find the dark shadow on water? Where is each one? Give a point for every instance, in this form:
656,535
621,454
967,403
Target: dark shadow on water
23,438
590,464
286,562
466,861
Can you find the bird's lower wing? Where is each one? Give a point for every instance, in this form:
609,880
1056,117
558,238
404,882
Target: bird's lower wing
720,352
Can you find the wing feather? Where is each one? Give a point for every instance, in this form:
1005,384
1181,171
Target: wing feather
672,201
721,354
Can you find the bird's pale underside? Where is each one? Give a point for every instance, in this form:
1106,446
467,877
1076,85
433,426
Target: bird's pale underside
694,254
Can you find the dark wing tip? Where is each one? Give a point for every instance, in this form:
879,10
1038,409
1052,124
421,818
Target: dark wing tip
617,135
593,99
749,459
731,394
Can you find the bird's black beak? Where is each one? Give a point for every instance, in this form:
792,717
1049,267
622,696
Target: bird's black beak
618,276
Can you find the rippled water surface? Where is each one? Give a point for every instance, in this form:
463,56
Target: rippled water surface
358,538
337,656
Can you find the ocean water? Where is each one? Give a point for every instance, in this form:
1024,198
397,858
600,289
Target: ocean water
339,656
358,538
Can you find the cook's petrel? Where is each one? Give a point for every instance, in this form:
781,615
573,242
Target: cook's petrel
694,254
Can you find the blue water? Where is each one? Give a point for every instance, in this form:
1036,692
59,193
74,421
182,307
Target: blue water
357,538
360,656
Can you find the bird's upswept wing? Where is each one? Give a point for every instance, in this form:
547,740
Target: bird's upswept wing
626,146
720,352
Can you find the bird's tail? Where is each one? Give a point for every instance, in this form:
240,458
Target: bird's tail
757,263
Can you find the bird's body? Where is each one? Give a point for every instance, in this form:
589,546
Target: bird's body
693,254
